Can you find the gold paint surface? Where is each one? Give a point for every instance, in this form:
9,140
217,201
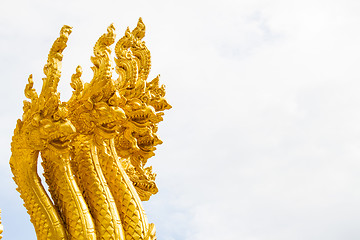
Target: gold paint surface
94,147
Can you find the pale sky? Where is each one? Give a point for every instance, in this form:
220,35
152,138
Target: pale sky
263,140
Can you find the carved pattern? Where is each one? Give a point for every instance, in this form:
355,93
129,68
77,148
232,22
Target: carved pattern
94,147
67,196
145,104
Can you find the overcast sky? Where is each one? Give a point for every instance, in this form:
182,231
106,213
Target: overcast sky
263,140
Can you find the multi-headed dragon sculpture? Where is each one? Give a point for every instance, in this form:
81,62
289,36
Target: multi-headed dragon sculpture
94,147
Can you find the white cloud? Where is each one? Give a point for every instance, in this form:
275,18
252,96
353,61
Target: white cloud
263,138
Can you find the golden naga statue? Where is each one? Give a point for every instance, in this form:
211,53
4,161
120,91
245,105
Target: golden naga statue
93,147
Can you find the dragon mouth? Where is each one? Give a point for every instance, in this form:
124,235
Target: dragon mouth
60,142
145,190
146,145
147,186
141,117
110,125
148,142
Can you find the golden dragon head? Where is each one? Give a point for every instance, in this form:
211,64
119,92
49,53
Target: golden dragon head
137,139
44,123
96,106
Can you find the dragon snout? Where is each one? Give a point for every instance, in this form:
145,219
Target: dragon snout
67,128
119,114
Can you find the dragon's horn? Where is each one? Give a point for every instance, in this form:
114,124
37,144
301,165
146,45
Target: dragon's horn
126,64
52,69
102,49
140,51
102,81
139,30
29,91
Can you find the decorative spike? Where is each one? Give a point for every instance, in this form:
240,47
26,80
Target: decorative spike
139,30
126,64
52,68
30,93
102,85
76,83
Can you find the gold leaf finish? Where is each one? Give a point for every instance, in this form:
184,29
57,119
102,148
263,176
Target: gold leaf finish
94,147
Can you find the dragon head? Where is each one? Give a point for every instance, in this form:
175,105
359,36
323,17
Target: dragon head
96,106
44,124
157,95
137,139
45,129
98,117
57,131
144,181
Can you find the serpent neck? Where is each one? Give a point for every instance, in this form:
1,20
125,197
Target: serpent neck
134,222
92,183
44,216
67,195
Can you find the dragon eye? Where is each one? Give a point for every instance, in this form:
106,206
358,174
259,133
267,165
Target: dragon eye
145,99
115,99
135,103
56,116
